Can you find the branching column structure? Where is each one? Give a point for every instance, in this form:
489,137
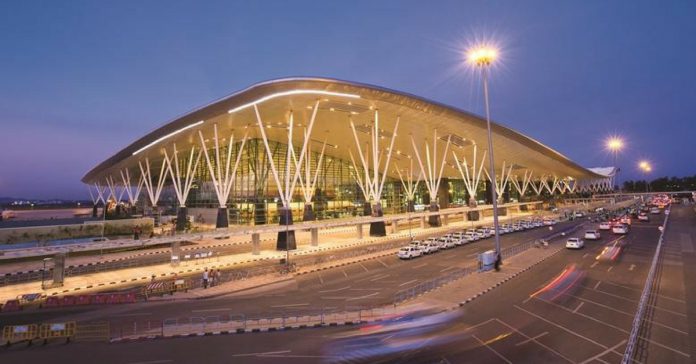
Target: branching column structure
373,184
501,185
471,174
308,182
409,187
432,176
133,192
522,186
153,188
286,239
222,176
96,198
182,182
115,193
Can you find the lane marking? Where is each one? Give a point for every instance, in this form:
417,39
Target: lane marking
383,263
532,338
361,297
409,282
561,327
291,305
264,353
585,255
594,264
535,341
380,277
321,279
448,268
577,308
363,267
420,265
610,268
609,350
618,329
212,310
491,349
344,273
632,267
597,285
639,290
635,301
334,290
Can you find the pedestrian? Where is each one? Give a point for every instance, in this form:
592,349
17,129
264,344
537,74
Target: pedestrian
497,262
205,278
217,276
212,277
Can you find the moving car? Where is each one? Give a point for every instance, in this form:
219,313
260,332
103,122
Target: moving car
549,221
592,235
605,225
655,210
575,243
620,229
409,252
643,217
579,214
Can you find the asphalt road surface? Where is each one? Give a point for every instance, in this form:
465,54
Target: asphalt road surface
587,321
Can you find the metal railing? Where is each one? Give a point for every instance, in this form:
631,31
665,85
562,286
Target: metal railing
233,322
642,303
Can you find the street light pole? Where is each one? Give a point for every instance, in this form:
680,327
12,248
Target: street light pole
483,57
491,163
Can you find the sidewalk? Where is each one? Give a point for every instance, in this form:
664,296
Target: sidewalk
110,280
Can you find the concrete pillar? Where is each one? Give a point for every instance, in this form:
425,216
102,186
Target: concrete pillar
422,222
286,239
181,217
359,231
222,220
395,226
255,244
315,236
445,219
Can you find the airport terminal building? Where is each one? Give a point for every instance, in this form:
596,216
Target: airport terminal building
326,149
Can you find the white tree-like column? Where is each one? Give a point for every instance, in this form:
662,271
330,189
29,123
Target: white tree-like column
153,188
132,191
223,177
308,182
410,187
471,174
96,198
501,185
432,176
522,187
372,185
182,182
286,239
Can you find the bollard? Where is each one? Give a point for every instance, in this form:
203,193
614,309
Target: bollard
359,231
256,243
315,236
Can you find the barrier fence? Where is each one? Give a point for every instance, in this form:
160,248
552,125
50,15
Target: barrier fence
20,333
642,303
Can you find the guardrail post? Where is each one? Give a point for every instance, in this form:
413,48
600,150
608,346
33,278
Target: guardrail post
315,236
256,243
359,231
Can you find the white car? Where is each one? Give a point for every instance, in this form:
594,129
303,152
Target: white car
473,232
549,221
655,210
417,244
409,252
447,243
575,243
643,217
483,233
592,235
605,225
620,229
471,237
579,214
430,247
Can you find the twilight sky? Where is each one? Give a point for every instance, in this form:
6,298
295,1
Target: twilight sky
79,80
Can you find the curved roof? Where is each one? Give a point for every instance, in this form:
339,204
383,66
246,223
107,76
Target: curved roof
340,101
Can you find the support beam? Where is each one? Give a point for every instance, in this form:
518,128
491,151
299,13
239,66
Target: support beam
432,176
471,175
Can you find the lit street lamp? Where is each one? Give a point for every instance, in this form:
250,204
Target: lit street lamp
482,57
615,145
646,168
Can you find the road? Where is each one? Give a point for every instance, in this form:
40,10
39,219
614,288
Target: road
587,323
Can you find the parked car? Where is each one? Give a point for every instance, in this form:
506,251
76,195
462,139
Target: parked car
430,247
483,233
549,221
473,232
409,252
605,225
620,229
575,243
417,244
592,235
